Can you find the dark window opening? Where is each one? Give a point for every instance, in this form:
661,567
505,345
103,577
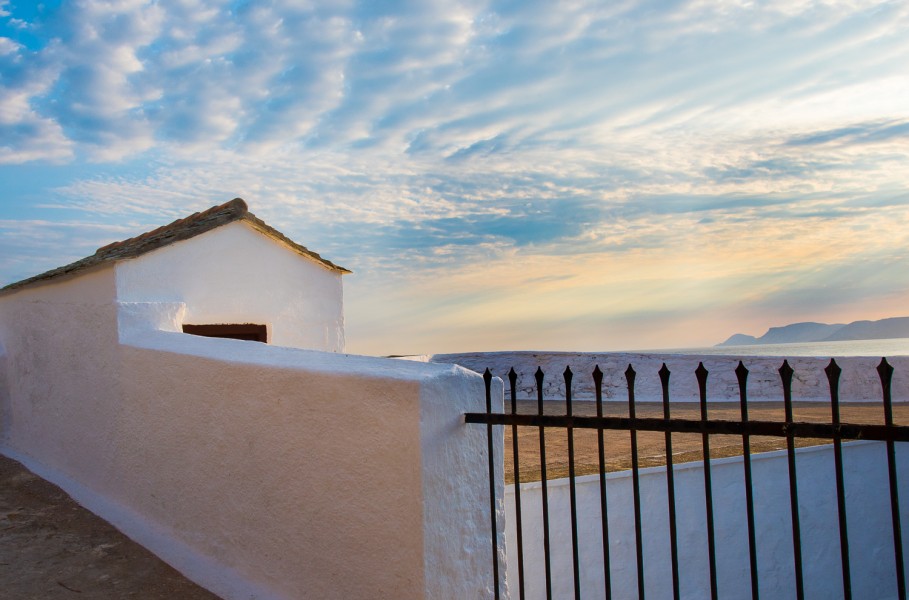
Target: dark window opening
246,331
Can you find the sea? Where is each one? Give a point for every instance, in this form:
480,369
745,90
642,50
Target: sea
879,348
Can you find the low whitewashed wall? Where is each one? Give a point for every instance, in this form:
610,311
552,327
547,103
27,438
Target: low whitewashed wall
858,382
258,471
868,513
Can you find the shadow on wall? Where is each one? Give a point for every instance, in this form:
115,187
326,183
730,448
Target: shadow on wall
4,394
869,523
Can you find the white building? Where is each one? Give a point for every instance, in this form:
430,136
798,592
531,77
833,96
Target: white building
224,266
278,470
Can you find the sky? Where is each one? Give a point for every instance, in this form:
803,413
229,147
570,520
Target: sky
498,175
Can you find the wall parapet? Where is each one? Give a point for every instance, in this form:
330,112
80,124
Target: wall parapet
858,383
256,470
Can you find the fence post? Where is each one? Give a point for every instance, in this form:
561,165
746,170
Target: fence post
885,371
670,483
701,374
512,381
742,374
572,488
604,509
635,481
786,373
545,489
833,372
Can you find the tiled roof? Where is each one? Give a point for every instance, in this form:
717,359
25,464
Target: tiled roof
181,229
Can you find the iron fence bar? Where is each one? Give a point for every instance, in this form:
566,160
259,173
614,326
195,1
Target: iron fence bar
786,378
512,380
846,431
741,372
572,489
635,484
833,372
487,379
544,486
885,371
701,374
789,429
604,513
670,485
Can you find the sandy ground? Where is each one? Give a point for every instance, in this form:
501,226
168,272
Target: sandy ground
651,445
51,548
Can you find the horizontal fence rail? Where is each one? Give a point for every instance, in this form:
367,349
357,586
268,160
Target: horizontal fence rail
844,431
835,430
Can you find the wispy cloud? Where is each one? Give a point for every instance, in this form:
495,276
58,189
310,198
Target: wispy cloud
630,161
862,133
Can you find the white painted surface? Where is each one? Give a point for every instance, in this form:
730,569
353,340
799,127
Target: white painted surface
58,337
235,274
858,382
455,487
156,537
257,470
867,506
4,389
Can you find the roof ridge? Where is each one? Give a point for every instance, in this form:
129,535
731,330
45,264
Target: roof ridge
179,230
270,231
236,206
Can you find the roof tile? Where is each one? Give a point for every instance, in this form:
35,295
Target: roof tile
181,229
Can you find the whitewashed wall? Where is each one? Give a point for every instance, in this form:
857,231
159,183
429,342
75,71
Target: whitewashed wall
258,471
57,337
858,382
868,513
234,274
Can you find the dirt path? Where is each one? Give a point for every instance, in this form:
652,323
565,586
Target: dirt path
51,548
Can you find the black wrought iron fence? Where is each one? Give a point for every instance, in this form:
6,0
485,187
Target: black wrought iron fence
835,430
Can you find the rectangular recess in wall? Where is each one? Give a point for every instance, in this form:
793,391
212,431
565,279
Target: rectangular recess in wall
235,331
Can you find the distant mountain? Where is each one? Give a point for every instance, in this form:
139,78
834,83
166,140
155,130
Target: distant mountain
799,332
740,339
897,327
